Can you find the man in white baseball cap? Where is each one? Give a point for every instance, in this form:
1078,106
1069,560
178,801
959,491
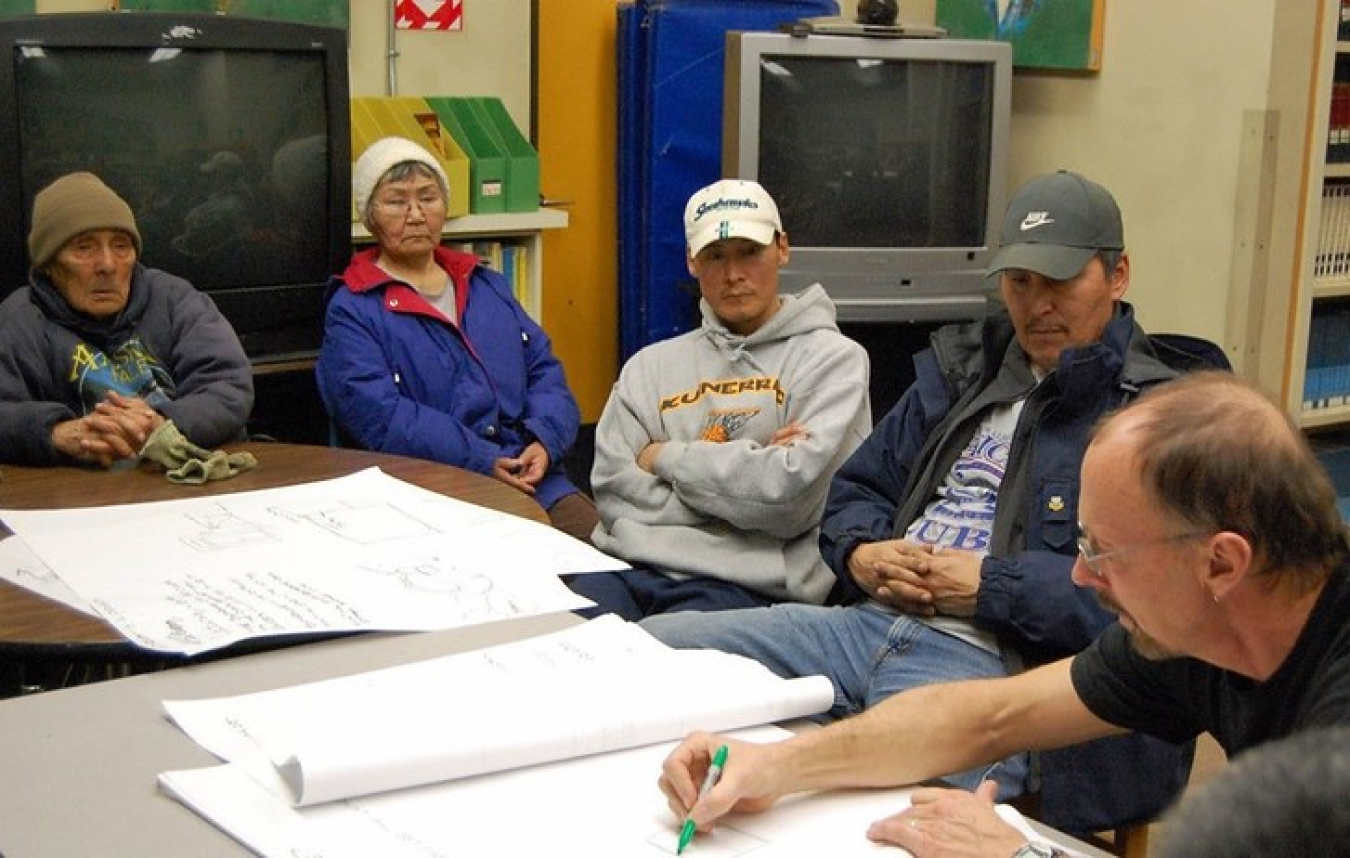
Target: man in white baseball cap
714,453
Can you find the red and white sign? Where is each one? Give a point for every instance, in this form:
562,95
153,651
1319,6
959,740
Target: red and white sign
429,14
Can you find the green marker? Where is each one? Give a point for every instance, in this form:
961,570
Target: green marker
709,781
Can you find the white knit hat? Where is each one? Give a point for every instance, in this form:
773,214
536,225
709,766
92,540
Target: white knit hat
381,157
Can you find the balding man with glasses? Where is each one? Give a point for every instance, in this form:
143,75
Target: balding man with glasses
1212,532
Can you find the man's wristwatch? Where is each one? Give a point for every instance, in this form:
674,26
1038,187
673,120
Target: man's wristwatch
1038,850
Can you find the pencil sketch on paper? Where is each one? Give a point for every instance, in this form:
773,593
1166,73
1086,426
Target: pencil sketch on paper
474,592
20,566
220,529
724,841
364,523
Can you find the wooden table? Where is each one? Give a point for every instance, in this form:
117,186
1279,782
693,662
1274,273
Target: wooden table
37,629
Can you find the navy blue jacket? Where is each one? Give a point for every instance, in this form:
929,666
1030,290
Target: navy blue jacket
1026,595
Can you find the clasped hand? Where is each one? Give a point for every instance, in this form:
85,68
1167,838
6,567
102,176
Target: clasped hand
115,430
918,579
524,471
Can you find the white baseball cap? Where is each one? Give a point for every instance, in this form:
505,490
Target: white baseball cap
730,208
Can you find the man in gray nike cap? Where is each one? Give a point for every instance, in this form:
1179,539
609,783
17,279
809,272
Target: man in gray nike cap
952,529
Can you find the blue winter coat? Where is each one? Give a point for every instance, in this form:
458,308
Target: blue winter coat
1026,595
399,377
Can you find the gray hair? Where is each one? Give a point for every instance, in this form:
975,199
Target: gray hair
1287,797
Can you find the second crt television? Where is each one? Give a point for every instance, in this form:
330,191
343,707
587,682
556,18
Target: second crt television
887,158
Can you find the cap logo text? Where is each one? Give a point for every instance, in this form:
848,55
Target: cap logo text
723,204
1035,219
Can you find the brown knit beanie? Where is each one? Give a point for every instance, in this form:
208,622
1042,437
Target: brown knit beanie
76,203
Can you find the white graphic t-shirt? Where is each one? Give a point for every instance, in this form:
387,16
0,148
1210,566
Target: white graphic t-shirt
961,515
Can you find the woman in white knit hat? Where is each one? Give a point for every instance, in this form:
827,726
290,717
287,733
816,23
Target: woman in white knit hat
426,352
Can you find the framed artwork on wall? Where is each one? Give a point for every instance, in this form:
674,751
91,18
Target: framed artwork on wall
1063,35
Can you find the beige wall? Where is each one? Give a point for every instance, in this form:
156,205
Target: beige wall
490,56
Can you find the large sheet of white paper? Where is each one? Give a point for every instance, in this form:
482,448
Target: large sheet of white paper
605,805
594,687
362,552
19,565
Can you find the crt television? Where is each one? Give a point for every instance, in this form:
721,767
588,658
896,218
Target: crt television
887,157
228,136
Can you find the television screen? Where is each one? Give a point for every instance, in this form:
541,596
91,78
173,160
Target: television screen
887,159
230,193
871,153
228,136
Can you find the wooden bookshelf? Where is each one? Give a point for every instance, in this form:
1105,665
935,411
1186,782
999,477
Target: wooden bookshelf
1315,384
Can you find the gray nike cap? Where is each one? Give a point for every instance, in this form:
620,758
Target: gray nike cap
1055,224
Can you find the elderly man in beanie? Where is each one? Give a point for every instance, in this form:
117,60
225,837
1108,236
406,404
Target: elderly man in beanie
97,351
714,453
427,353
952,528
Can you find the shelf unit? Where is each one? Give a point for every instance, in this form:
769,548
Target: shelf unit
525,229
1324,292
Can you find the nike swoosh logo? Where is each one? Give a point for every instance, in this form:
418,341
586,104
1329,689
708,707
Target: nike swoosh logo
1035,219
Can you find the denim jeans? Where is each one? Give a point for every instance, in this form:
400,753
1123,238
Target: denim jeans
867,651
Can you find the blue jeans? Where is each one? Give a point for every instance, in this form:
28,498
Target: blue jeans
868,652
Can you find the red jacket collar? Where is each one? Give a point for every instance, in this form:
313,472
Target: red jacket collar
363,275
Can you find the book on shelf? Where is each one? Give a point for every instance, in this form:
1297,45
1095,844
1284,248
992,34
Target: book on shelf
513,267
1331,260
1326,382
1338,116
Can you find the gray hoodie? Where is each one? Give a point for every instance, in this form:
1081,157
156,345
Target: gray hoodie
723,503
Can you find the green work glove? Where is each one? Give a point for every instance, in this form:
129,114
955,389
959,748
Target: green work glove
185,462
218,465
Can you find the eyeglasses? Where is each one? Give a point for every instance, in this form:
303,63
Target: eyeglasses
401,208
1093,558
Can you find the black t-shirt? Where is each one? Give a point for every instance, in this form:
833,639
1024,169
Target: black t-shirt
1180,698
